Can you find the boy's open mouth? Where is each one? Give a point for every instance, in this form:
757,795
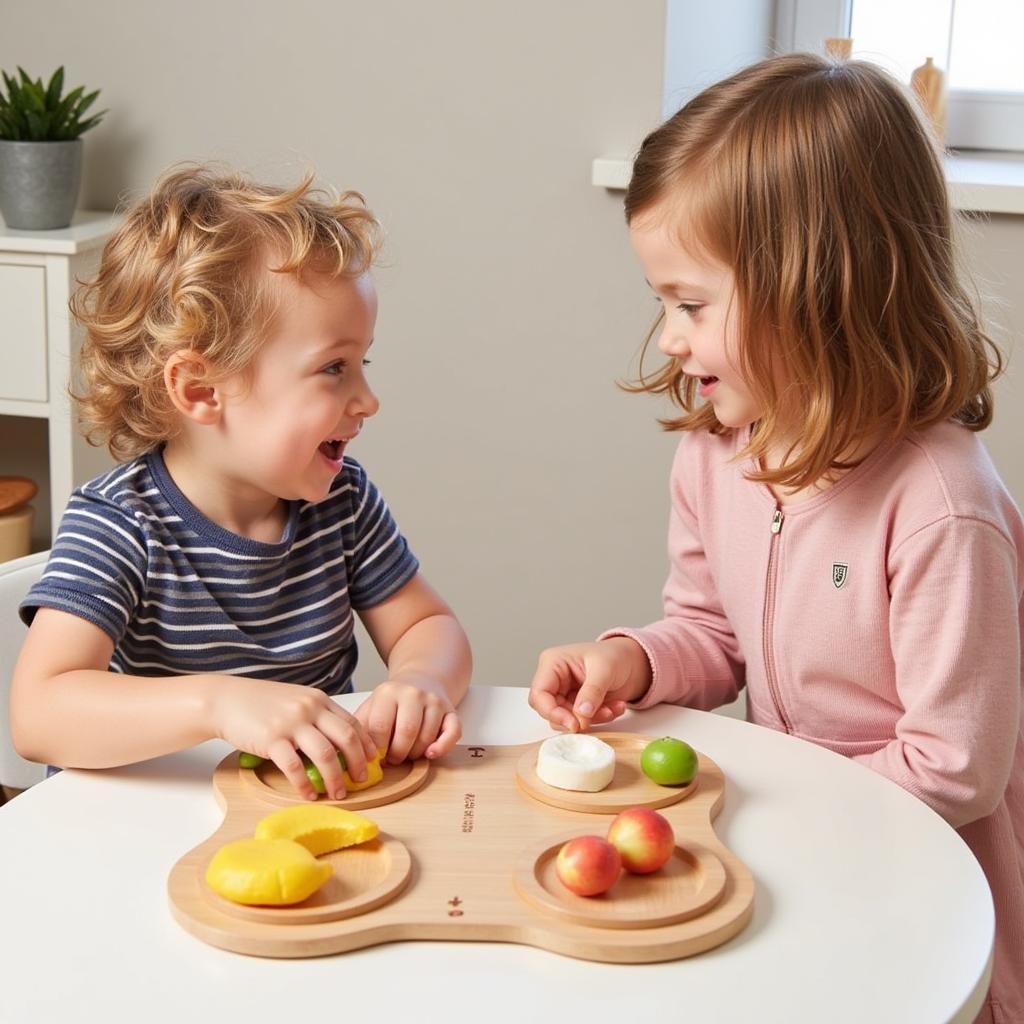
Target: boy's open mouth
333,448
705,381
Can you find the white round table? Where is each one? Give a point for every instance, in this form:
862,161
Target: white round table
868,907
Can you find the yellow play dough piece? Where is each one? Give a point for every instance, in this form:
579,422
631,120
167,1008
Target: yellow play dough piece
274,872
374,774
320,828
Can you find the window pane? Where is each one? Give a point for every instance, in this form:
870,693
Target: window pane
986,46
900,34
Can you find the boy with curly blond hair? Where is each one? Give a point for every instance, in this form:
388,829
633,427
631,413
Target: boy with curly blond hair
206,586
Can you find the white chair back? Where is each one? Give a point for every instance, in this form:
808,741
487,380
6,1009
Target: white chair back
16,576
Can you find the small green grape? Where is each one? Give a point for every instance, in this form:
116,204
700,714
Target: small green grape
313,773
315,777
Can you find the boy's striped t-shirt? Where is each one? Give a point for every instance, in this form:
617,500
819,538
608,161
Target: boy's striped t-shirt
179,594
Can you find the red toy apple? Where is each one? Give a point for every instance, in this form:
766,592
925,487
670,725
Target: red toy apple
588,865
644,839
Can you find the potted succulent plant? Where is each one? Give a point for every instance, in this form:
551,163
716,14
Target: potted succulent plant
41,149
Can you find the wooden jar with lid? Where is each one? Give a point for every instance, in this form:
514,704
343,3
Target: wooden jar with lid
929,85
15,516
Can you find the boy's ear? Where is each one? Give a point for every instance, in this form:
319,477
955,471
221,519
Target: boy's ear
186,377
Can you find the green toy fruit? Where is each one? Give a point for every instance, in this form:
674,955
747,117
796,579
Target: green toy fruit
669,762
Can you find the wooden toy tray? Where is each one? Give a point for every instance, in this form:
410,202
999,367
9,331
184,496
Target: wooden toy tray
466,852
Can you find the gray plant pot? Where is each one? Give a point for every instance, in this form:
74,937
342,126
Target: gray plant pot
39,183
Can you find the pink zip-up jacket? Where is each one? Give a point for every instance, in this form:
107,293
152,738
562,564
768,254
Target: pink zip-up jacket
881,618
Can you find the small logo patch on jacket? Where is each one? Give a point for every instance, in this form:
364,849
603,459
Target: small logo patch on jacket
840,570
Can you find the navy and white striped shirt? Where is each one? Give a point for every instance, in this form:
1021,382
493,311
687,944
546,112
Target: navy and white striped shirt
179,594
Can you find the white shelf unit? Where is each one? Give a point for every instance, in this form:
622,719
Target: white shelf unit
39,342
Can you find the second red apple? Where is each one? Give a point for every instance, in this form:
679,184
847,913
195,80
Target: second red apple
644,839
588,865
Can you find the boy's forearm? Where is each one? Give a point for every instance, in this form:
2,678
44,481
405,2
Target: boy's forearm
434,652
90,718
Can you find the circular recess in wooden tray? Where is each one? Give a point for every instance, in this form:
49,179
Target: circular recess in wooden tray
269,783
365,877
629,786
690,883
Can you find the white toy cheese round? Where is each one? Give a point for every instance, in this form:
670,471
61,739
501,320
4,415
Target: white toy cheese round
576,761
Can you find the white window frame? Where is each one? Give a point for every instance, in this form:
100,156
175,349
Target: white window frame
732,34
974,120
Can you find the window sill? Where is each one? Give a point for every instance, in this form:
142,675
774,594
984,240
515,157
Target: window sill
980,181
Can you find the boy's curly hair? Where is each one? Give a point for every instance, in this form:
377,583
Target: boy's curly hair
187,269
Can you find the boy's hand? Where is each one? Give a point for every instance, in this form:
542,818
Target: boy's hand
579,685
411,720
280,720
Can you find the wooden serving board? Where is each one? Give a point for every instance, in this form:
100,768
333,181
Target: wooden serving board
467,851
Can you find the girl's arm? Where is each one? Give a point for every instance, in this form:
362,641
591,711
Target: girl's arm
690,656
955,630
693,653
429,666
68,709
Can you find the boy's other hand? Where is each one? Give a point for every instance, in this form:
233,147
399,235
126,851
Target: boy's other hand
411,719
579,685
282,721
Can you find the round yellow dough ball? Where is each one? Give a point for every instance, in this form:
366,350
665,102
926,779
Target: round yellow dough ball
266,872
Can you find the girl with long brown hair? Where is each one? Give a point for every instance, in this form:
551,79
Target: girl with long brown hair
840,543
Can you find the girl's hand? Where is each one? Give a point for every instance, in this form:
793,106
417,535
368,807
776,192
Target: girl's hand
411,720
578,685
278,720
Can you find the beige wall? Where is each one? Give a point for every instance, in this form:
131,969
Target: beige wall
533,491
994,248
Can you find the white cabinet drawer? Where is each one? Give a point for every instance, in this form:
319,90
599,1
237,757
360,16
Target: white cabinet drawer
23,332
